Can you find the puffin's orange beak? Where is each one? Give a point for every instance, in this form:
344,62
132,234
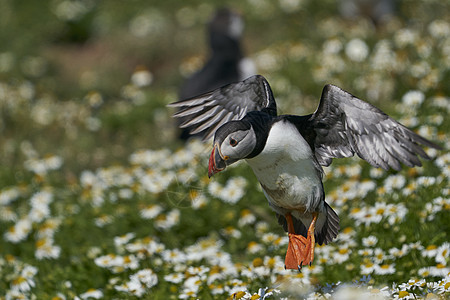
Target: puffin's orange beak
216,162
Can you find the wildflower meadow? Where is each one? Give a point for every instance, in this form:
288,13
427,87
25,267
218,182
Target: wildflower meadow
100,200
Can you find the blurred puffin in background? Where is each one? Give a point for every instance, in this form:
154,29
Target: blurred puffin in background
226,63
378,12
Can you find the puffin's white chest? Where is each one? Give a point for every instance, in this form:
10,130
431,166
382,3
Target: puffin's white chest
286,170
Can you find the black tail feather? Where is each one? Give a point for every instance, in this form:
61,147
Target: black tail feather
330,229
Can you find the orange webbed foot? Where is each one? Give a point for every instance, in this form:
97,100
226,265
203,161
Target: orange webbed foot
300,250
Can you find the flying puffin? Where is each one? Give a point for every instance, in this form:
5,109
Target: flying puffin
287,152
226,64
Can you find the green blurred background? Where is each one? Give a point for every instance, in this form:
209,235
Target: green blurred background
68,64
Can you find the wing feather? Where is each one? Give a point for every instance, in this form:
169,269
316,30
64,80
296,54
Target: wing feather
204,114
223,116
346,125
212,129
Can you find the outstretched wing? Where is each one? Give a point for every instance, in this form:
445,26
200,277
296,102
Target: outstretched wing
206,113
345,125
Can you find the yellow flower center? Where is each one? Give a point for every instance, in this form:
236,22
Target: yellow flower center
215,270
343,251
193,194
348,230
271,262
355,210
380,211
252,244
237,295
40,243
258,262
19,280
245,212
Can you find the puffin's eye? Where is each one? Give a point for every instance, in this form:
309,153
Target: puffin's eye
233,142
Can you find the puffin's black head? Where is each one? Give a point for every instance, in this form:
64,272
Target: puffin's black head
233,141
225,31
226,22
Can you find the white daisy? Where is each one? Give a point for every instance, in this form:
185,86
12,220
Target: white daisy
145,276
370,241
357,50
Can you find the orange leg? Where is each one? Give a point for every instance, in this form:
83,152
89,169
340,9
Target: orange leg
300,250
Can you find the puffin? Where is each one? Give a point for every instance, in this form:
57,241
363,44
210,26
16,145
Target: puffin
287,152
379,12
226,64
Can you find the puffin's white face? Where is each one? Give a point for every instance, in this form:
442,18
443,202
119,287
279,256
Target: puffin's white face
238,144
230,145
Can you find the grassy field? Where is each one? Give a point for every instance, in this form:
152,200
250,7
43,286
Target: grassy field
98,199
